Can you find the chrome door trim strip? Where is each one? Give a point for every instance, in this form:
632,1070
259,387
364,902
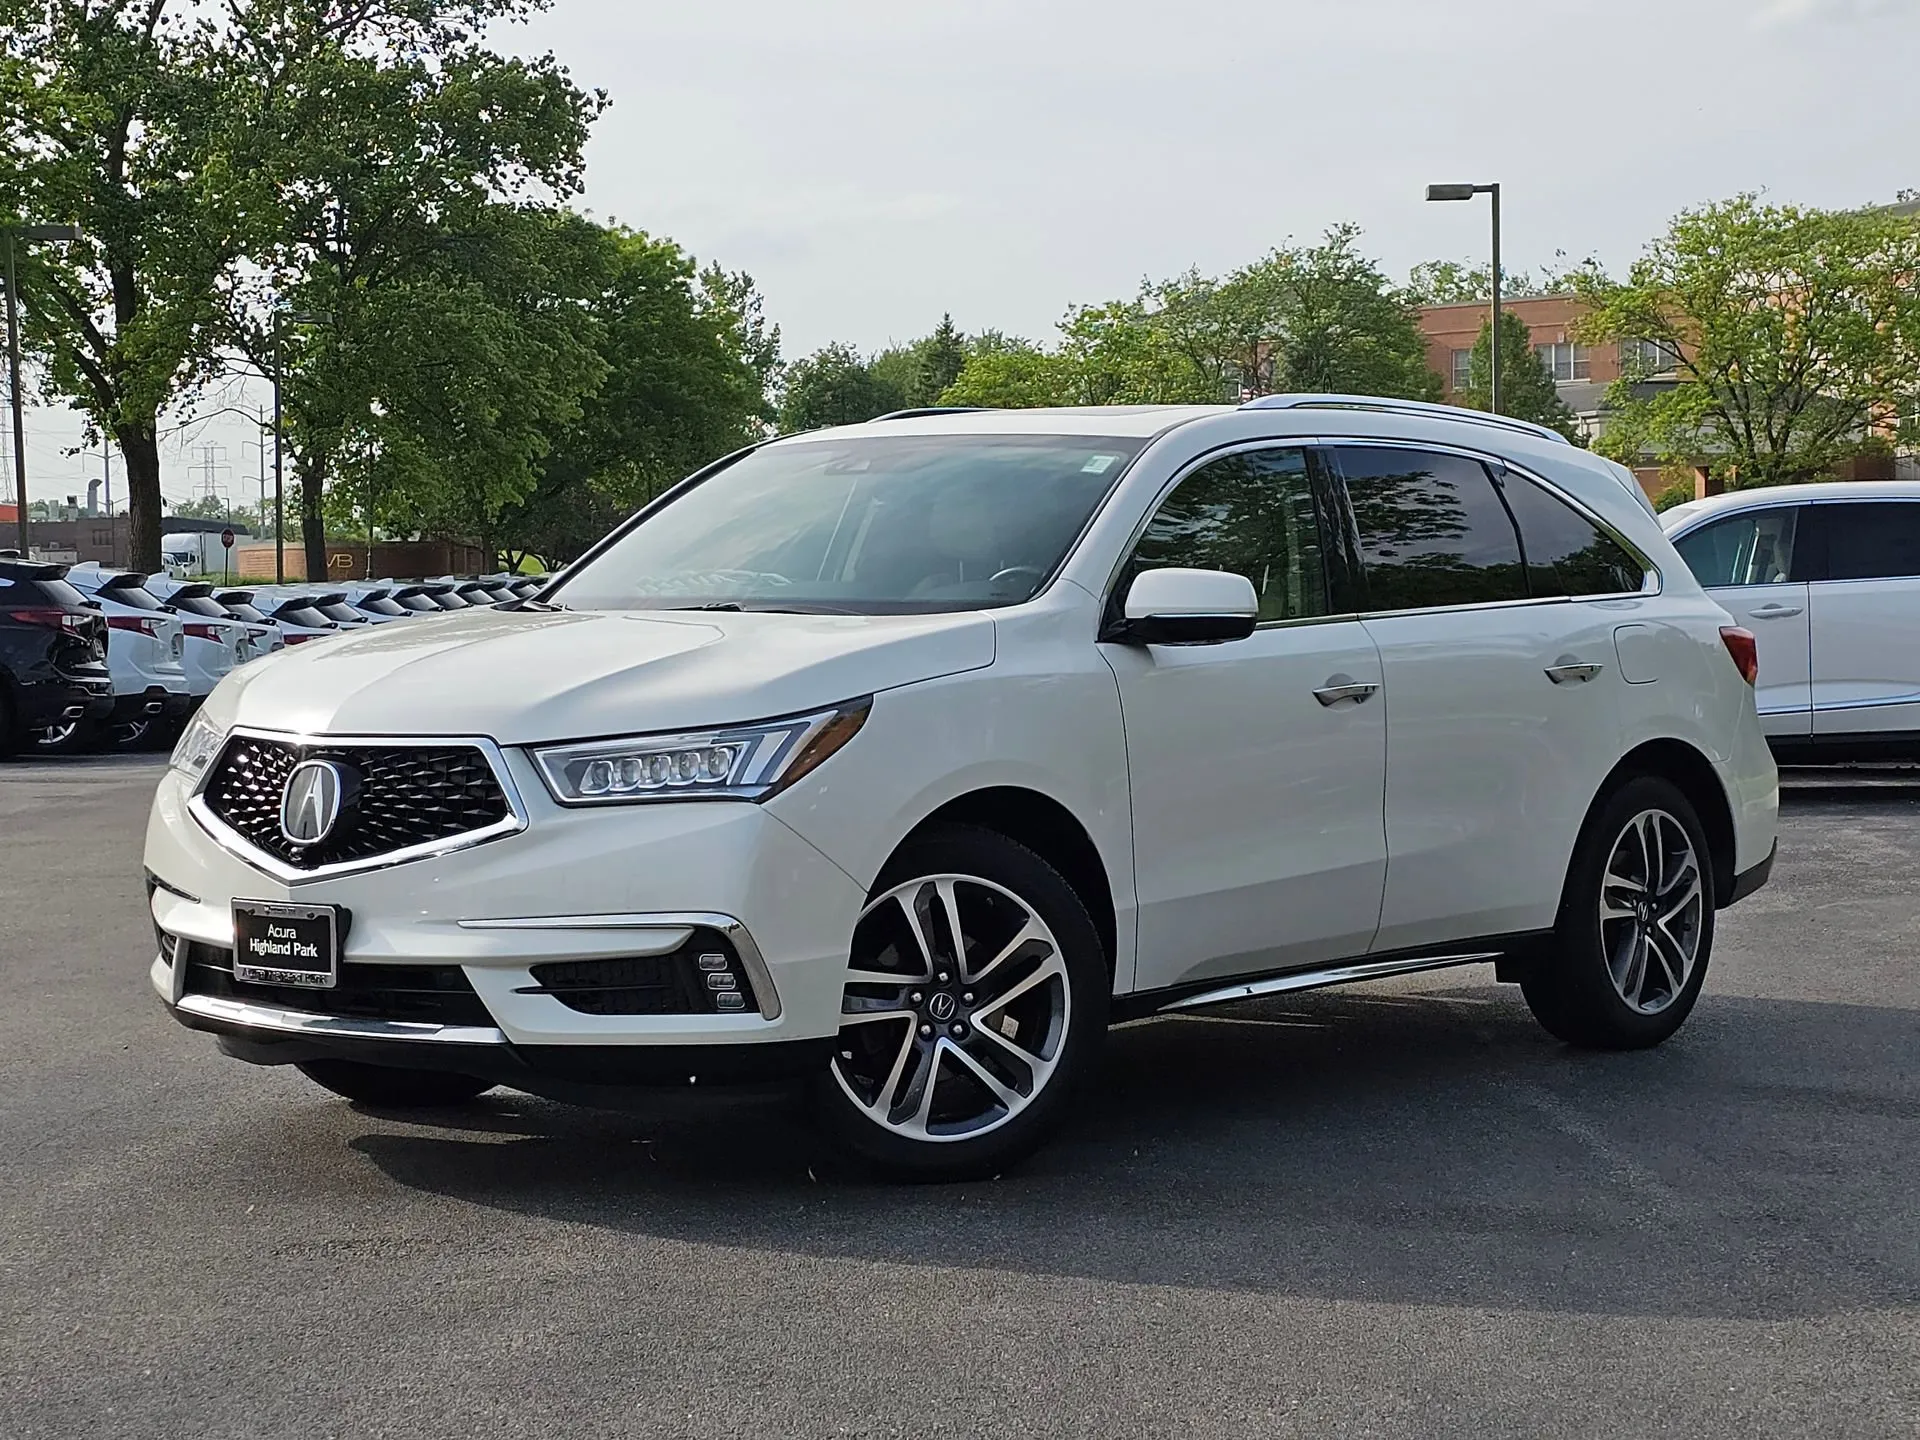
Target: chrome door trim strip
333,1027
1326,975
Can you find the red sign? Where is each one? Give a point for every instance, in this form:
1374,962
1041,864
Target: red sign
226,539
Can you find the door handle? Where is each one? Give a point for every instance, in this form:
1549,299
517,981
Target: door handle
1775,612
1570,672
1339,688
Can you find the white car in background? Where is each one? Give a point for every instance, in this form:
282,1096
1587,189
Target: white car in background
1828,579
215,641
903,758
376,604
295,611
146,651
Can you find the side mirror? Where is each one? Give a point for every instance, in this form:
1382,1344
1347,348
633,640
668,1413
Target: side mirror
1186,607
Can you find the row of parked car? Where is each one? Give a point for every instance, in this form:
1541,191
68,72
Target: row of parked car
97,658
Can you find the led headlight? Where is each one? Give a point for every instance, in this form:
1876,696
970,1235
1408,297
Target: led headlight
738,762
197,746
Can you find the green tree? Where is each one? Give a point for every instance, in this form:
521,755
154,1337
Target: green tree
1527,391
414,177
687,359
1012,375
122,118
1793,332
834,386
942,355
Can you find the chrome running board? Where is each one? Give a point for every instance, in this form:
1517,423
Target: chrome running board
1330,975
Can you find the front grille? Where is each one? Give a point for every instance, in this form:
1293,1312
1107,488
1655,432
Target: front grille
397,796
436,994
702,977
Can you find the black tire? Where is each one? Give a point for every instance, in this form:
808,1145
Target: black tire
1572,988
1078,1028
391,1087
10,736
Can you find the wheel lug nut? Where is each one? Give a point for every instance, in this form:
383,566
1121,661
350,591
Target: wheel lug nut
915,997
967,999
959,1030
943,977
926,1030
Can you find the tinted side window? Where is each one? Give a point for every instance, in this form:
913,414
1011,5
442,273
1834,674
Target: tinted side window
1876,540
1756,548
1433,530
1567,554
1252,514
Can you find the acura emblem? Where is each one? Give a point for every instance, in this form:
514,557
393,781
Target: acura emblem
941,1006
310,805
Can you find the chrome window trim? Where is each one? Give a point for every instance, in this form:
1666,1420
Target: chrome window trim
1180,476
1651,584
237,845
1734,512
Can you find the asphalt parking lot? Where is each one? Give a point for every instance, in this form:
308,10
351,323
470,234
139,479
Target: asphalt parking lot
1399,1210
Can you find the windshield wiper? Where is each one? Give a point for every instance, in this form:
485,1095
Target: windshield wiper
711,605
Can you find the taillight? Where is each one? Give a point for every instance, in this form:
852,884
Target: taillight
53,618
298,639
140,624
201,631
1745,651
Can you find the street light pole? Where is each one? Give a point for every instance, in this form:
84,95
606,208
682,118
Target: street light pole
25,232
279,510
1467,192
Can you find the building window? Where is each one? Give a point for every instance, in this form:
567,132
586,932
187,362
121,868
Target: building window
1648,357
1462,369
1564,361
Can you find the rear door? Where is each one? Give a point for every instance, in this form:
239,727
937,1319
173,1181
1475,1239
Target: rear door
1755,563
1503,694
1864,608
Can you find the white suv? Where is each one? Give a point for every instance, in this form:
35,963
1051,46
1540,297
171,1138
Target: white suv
908,756
1828,578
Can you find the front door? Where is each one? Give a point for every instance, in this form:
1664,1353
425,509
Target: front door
1754,565
1256,766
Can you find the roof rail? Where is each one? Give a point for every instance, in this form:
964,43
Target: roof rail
921,410
1404,407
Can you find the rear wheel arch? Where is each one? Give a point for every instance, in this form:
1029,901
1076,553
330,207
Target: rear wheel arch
1693,774
1049,829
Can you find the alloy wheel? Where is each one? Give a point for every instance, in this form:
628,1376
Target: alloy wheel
955,1010
1652,911
52,737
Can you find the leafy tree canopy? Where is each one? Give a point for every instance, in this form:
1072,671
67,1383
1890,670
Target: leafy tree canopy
1795,333
1527,391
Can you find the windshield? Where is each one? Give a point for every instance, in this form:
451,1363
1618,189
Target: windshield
447,600
341,611
305,615
201,605
865,526
381,605
241,610
59,592
418,603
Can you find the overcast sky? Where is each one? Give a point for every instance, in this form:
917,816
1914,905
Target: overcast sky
873,163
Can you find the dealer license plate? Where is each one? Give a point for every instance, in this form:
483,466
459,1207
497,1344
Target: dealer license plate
276,944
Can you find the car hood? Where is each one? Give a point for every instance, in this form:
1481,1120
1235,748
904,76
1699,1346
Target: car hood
523,676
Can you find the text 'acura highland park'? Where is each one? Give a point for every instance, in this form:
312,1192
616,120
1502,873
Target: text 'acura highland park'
904,758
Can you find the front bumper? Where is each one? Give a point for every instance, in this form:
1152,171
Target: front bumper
574,885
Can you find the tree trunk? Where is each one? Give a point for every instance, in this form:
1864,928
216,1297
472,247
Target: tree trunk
313,520
140,447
